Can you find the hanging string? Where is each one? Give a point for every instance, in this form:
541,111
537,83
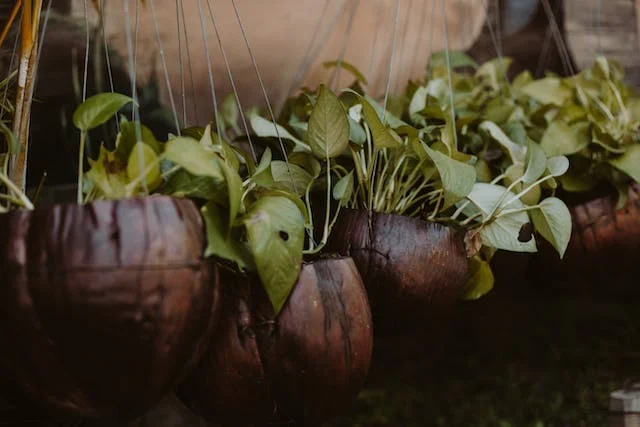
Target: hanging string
401,57
183,90
313,50
557,35
498,49
450,77
374,44
391,59
188,51
86,52
231,79
212,85
164,67
264,91
345,43
418,38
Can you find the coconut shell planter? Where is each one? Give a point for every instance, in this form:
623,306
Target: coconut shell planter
602,255
410,267
106,305
302,366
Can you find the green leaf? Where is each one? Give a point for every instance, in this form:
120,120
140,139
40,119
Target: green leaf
328,133
553,221
127,139
229,112
267,129
188,153
97,109
11,138
275,237
629,162
501,233
391,119
457,59
558,165
561,139
347,66
549,90
108,175
536,162
143,157
220,242
382,136
184,184
480,280
457,177
234,191
287,176
516,152
343,189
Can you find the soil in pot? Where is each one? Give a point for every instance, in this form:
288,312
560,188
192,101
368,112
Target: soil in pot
299,368
412,269
105,305
602,255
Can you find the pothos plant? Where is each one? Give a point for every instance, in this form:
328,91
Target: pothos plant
253,211
416,168
592,117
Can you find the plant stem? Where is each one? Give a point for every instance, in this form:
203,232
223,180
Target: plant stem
83,141
24,201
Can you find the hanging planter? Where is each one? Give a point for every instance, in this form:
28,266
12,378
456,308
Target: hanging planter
304,365
603,250
106,305
407,264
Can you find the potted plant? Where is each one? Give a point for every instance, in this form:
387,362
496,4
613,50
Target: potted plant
108,302
414,212
592,119
271,299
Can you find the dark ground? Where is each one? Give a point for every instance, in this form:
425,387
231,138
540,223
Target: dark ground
518,357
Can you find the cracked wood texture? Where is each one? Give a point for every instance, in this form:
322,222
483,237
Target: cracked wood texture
105,305
411,268
301,367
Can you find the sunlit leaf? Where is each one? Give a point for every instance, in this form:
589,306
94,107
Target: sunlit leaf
549,90
267,129
343,189
142,158
188,153
535,161
382,136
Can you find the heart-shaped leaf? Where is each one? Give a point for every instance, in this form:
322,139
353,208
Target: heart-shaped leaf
142,158
629,162
188,153
557,165
517,152
290,177
480,280
343,189
553,221
457,177
382,136
97,109
267,129
328,132
561,139
549,90
275,237
535,161
220,242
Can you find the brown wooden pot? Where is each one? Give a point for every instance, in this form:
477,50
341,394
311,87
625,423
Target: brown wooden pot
411,268
303,366
604,249
105,305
